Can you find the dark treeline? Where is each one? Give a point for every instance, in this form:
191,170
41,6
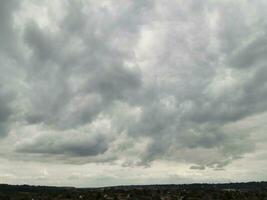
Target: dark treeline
249,191
237,186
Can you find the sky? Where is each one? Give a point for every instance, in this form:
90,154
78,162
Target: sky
115,92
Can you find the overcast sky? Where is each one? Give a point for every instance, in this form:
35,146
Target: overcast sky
111,92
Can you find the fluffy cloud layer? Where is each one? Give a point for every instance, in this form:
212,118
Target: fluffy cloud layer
131,83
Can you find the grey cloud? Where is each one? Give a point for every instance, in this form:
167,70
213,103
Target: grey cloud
198,124
93,66
5,97
5,113
252,54
8,53
195,167
42,43
7,35
72,146
93,75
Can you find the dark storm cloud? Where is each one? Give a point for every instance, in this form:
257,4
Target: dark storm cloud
7,35
194,167
173,75
79,145
251,54
5,113
8,52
